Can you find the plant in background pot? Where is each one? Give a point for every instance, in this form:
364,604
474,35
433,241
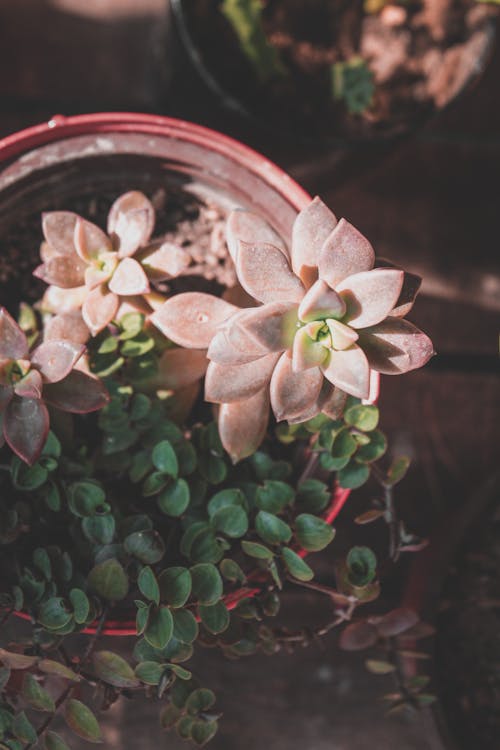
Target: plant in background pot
347,70
145,510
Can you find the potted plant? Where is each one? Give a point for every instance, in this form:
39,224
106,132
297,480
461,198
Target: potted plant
186,393
337,71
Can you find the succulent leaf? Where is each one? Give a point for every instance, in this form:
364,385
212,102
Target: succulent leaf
344,253
370,295
310,230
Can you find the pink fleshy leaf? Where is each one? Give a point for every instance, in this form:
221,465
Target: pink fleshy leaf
243,425
272,326
265,273
56,300
131,218
342,336
310,230
59,229
411,286
67,326
293,393
349,371
191,319
370,295
30,386
181,367
65,271
13,342
228,347
228,383
396,346
25,427
307,352
99,309
99,273
129,279
245,226
77,393
333,402
165,262
55,359
90,241
6,394
344,253
321,302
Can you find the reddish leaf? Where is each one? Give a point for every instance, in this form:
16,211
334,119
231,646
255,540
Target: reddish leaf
13,342
55,359
26,426
78,393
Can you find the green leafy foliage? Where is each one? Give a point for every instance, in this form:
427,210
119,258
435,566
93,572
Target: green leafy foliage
352,82
245,18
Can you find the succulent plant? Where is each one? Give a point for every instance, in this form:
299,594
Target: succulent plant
328,321
32,380
99,268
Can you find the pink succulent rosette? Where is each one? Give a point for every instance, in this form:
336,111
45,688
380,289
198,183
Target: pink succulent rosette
328,320
96,270
32,380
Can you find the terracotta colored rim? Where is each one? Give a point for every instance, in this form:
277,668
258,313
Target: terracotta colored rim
60,127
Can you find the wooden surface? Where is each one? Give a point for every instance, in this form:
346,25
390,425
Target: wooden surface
432,203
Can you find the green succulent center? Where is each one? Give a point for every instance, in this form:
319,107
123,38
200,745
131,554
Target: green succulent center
13,370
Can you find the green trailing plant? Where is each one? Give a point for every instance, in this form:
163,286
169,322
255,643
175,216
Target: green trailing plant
144,509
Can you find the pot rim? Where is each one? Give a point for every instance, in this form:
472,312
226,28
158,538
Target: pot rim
60,127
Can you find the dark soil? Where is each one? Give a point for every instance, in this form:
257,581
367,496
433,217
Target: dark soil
421,53
468,640
182,218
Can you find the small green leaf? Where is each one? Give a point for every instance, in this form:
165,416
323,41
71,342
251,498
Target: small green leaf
207,583
146,546
202,731
109,580
149,672
185,626
35,695
148,585
175,586
160,627
344,444
54,613
180,672
362,566
254,549
377,666
169,716
113,669
82,721
231,520
354,475
362,417
85,498
99,529
373,450
80,604
272,529
313,534
24,729
155,483
313,495
274,496
50,666
214,617
165,459
41,560
296,566
16,661
225,499
200,700
174,499
53,741
231,571
397,470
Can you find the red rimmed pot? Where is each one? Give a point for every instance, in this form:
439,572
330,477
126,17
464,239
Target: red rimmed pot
107,151
424,593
